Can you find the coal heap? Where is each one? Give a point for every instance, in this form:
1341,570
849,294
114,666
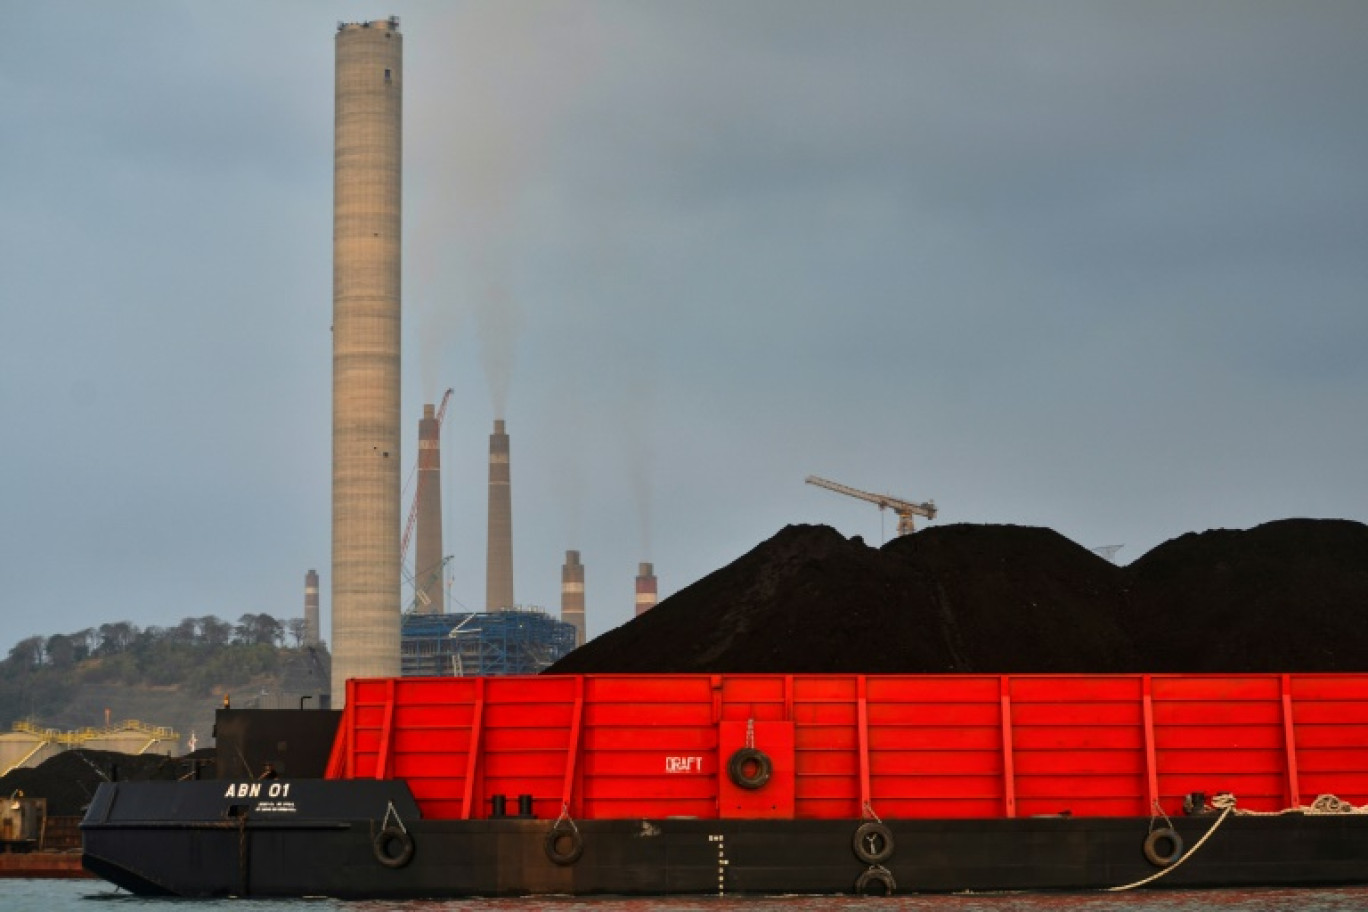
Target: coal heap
68,779
1290,595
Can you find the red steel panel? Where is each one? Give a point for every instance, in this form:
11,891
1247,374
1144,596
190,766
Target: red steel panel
1330,712
987,713
825,713
829,763
743,690
1333,758
776,798
935,763
1221,736
1099,807
608,714
650,745
1352,688
826,738
1078,713
818,688
647,689
938,689
1081,762
1075,689
1216,688
1082,787
957,787
1347,785
678,737
1109,737
942,737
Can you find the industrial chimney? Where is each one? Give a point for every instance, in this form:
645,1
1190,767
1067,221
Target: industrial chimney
499,564
311,608
645,588
427,558
572,594
367,155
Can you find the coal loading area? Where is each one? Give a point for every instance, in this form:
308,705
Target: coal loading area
1286,596
68,779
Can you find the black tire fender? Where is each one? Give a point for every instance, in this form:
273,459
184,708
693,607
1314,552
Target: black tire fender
873,842
1154,845
557,836
393,847
875,875
739,768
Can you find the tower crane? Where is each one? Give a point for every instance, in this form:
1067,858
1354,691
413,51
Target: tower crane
418,488
905,509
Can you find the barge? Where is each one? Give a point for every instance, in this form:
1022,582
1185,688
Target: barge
633,784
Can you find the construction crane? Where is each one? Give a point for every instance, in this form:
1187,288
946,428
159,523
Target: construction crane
420,586
905,509
418,488
1108,551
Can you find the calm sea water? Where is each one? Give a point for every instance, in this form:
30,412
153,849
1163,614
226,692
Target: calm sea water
96,896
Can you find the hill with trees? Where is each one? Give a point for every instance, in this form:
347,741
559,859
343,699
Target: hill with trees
166,676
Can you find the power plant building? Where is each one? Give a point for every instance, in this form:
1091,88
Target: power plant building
367,160
523,641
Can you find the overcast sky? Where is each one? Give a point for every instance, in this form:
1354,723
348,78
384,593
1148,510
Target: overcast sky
1100,267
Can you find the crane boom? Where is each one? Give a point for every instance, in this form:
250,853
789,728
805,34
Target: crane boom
904,509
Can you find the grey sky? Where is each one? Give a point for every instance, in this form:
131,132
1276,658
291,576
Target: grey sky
1101,267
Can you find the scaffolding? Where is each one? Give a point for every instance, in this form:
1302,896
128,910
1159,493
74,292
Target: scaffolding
509,642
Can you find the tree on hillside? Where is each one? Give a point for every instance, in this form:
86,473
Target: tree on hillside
86,642
258,629
187,632
27,654
61,651
116,637
215,632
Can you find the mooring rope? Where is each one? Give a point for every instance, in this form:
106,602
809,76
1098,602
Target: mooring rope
1323,805
1224,801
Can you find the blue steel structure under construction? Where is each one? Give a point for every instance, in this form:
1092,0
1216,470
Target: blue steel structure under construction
510,642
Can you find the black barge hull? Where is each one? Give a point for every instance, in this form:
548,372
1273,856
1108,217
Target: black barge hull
365,839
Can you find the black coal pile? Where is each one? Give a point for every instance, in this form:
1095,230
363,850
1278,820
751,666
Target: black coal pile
68,780
1287,596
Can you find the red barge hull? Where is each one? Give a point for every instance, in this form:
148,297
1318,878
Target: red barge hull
770,783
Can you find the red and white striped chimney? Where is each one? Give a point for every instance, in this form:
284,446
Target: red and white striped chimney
572,594
499,554
427,550
311,632
645,588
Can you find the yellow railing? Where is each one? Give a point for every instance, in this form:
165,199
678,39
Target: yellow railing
83,735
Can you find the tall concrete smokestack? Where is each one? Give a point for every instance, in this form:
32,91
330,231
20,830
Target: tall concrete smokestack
311,608
499,564
427,557
645,588
367,155
572,594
